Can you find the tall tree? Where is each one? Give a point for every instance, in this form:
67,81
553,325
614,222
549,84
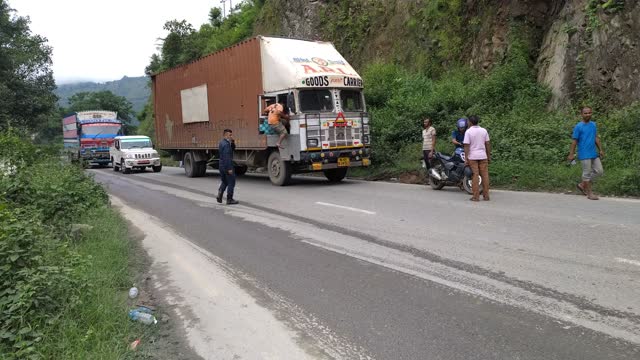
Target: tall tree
26,79
103,100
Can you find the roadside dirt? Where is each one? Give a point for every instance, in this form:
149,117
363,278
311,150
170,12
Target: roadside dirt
166,339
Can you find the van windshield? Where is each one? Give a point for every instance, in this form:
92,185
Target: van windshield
351,100
316,100
135,144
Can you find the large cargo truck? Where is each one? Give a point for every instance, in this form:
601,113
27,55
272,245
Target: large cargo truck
322,93
89,134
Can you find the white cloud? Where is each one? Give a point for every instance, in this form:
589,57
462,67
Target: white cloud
106,40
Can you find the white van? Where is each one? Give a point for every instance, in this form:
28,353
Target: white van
134,152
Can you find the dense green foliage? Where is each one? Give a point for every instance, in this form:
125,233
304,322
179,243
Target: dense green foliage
40,273
102,100
60,296
26,79
530,141
134,89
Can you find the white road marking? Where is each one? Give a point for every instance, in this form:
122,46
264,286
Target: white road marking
346,208
627,261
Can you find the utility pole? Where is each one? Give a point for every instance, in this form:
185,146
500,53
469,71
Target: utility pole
224,8
230,6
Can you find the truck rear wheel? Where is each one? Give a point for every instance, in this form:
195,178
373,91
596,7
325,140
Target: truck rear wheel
201,168
241,170
335,175
189,165
279,170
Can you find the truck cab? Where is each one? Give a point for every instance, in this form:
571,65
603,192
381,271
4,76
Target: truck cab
328,130
134,152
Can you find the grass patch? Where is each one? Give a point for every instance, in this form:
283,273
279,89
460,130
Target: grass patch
99,327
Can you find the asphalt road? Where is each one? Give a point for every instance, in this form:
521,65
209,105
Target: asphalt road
404,272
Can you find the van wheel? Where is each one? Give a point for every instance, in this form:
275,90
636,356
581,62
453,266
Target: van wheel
279,170
125,170
115,166
335,175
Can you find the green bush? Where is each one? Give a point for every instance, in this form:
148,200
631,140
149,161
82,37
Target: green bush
525,135
39,277
41,274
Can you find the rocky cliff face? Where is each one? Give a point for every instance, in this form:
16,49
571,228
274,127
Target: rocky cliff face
577,46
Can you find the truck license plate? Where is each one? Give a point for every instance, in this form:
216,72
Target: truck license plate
143,162
343,162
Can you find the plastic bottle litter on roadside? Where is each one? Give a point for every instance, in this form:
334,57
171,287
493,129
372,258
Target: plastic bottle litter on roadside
133,292
143,317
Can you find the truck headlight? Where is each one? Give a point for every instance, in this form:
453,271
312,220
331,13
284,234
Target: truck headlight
129,156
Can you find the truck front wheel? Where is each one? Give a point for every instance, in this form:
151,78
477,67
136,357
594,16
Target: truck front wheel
115,166
335,175
279,170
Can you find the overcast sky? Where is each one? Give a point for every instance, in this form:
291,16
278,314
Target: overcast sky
100,40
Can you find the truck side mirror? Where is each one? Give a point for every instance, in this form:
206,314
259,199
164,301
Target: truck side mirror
291,103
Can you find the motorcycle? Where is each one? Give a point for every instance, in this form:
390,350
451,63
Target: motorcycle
451,171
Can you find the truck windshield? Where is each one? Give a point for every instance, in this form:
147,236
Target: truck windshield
100,129
135,144
315,100
351,100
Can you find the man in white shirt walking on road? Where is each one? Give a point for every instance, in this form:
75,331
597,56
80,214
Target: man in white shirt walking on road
477,151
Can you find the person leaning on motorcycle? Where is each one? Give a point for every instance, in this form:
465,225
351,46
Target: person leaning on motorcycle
457,136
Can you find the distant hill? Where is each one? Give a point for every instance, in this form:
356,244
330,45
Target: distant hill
135,89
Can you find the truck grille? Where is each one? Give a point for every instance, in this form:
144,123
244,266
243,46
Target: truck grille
143,156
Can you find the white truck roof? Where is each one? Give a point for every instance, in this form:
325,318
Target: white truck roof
291,63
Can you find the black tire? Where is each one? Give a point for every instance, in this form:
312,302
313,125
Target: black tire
190,166
466,185
279,170
241,170
125,170
115,166
201,168
435,183
335,175
157,168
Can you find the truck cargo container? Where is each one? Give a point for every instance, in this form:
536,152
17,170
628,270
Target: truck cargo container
87,135
328,128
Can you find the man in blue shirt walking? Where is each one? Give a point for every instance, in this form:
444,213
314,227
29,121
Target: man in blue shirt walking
585,137
227,173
